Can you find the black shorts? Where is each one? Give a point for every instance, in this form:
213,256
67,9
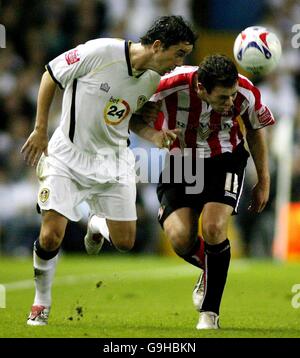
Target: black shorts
223,181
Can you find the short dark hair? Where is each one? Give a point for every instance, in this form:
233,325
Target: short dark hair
217,70
170,30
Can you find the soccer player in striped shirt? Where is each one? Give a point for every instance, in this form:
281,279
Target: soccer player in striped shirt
205,103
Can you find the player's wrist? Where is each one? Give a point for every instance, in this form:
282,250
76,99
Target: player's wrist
264,180
41,128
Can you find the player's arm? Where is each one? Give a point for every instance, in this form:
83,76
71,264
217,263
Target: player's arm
150,111
259,150
37,142
162,138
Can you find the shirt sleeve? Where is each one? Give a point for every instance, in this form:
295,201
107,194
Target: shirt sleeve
255,114
77,62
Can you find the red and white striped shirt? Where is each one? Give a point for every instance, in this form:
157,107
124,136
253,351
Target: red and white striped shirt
202,127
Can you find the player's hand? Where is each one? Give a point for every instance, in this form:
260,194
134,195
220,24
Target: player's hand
166,137
150,111
260,197
35,145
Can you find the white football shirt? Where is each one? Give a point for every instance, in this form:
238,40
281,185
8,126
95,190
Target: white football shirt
101,93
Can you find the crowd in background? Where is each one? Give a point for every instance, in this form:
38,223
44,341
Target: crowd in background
37,31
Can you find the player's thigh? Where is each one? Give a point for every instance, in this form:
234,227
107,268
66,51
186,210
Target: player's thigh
224,177
114,201
177,215
215,220
181,226
63,195
53,229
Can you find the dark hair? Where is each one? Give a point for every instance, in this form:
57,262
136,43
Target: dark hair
170,30
217,70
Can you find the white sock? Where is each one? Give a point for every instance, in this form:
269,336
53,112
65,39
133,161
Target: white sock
98,226
43,278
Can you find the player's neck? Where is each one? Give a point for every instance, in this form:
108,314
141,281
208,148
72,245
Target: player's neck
138,57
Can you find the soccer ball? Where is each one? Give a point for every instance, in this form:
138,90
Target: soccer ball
257,50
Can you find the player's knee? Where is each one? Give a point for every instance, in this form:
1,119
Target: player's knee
179,238
50,240
125,245
214,232
125,240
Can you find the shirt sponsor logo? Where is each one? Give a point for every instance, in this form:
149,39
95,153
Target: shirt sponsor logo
184,109
180,124
205,129
72,57
115,111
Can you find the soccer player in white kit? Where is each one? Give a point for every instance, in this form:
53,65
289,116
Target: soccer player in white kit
87,159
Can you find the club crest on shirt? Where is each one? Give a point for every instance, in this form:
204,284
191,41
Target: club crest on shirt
141,101
44,195
204,132
115,111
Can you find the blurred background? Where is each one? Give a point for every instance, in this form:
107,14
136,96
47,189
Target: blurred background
37,31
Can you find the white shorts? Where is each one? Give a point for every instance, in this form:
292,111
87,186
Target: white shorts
110,193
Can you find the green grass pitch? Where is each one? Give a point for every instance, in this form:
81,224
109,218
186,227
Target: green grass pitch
111,296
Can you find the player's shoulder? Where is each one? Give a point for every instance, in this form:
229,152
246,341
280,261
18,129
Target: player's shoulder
248,91
109,44
245,83
245,86
180,76
183,71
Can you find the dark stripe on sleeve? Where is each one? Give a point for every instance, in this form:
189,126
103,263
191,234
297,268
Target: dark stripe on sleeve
72,115
53,77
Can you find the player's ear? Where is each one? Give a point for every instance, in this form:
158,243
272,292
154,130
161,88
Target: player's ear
195,82
157,45
199,88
